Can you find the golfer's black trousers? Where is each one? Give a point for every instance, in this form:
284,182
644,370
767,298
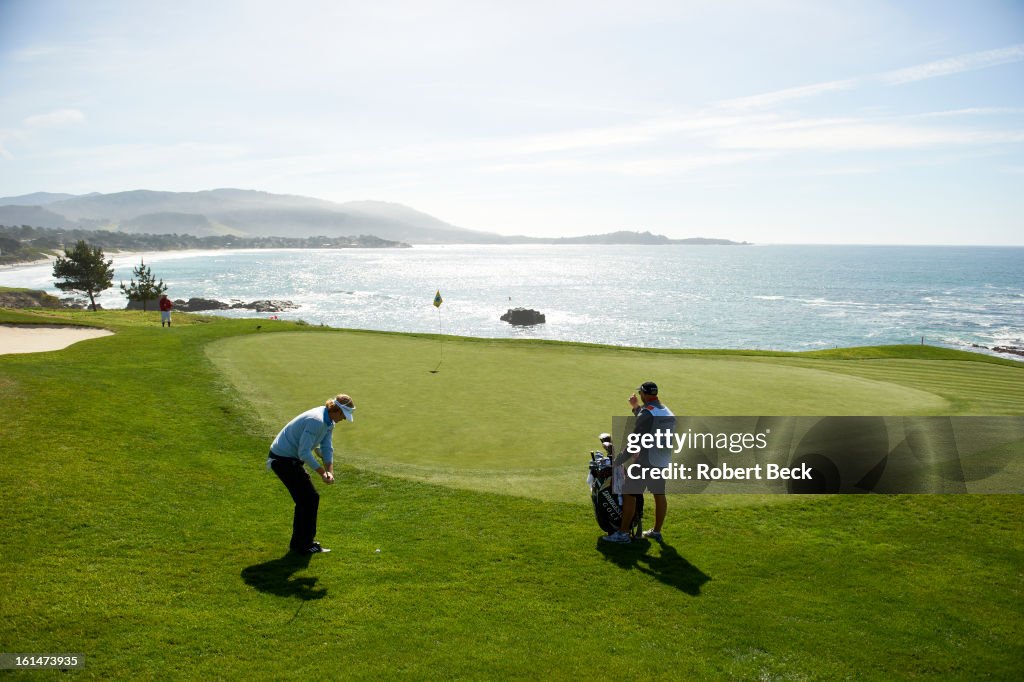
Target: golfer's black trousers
307,501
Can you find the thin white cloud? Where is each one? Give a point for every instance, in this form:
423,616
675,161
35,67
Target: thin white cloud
953,65
770,99
617,136
55,119
860,135
496,149
631,167
749,137
846,170
971,111
919,72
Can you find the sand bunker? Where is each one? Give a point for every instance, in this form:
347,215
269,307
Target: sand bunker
41,338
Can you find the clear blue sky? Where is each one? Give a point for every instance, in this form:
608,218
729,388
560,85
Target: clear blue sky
769,121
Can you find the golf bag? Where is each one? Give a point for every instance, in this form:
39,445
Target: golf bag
608,505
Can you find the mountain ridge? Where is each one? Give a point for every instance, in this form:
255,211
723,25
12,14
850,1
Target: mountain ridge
253,213
229,211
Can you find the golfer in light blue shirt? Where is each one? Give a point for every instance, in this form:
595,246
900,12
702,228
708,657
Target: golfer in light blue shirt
293,446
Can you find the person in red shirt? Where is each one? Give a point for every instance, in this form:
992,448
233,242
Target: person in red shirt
165,310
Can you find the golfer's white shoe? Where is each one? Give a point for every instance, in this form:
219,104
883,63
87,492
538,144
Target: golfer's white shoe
618,536
653,535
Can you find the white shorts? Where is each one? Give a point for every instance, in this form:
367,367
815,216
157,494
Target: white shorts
165,315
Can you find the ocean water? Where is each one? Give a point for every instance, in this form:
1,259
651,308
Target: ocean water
764,297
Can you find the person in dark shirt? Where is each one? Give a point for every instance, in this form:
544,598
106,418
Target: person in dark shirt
651,416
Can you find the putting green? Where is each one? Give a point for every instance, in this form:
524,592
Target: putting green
511,416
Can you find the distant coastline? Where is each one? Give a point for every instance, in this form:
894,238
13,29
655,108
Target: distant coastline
626,237
26,244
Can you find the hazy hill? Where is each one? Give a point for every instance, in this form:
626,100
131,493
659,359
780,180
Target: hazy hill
235,212
125,205
35,199
248,213
171,223
36,216
620,237
624,237
400,219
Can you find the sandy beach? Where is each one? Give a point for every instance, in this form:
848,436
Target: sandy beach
41,338
116,256
27,264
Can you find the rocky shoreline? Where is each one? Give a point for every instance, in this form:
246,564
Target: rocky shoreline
33,298
1007,350
196,305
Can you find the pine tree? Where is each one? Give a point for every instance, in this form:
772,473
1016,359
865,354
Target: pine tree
84,269
146,288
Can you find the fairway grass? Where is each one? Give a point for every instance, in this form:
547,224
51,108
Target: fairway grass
141,530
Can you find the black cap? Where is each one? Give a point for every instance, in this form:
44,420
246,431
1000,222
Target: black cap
648,387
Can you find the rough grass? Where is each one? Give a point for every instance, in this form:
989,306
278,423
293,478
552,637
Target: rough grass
140,530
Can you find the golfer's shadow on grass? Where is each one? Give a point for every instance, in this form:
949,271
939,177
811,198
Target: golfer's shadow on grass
277,576
667,567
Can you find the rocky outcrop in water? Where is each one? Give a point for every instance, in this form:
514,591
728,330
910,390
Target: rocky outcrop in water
196,305
267,306
523,317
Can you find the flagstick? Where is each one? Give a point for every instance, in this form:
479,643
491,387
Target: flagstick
440,338
440,335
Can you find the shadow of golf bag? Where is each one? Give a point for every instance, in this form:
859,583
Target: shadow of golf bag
608,505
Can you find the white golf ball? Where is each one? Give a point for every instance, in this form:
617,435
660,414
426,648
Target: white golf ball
377,550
